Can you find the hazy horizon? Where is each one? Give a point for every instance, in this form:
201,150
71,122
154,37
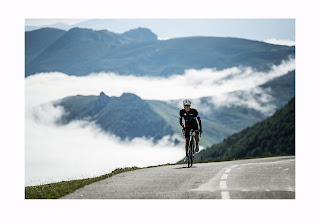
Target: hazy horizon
275,31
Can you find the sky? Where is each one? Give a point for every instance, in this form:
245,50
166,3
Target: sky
279,31
13,15
43,22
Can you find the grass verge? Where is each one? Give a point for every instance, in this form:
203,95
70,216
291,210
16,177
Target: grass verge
58,190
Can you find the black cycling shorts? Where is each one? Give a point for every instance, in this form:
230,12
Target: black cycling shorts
187,130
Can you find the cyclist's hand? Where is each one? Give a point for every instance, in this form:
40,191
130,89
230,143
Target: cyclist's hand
200,131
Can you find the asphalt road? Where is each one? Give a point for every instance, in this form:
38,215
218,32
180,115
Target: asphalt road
267,178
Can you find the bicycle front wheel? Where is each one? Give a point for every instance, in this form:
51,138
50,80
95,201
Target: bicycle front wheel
189,161
190,156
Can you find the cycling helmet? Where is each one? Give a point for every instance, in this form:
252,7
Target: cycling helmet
186,102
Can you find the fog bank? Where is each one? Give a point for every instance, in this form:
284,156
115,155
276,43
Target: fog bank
81,149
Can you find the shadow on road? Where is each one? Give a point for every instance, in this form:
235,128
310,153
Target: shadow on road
183,167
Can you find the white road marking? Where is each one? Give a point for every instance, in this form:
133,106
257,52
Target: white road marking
211,185
223,184
224,176
225,195
268,162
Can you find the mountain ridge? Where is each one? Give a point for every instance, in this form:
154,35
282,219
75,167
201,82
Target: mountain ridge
39,40
88,51
125,116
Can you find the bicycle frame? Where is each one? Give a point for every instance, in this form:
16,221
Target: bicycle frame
191,147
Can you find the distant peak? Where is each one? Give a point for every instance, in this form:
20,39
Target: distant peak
103,96
130,96
127,94
78,29
102,99
141,34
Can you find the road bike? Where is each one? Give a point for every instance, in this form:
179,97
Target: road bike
192,146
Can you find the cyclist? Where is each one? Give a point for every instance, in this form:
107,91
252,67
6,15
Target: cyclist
190,116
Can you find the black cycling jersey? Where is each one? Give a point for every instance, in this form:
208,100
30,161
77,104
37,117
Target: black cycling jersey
189,117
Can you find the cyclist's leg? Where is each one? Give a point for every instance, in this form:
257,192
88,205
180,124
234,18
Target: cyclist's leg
187,136
197,135
197,138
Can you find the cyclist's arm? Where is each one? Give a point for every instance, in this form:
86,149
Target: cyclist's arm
181,123
200,124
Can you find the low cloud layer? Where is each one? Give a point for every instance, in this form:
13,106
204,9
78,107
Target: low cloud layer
255,98
80,149
45,87
280,42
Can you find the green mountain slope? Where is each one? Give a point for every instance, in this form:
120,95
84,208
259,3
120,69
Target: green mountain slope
271,137
83,51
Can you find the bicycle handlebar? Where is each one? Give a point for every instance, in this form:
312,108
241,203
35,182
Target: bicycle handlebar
195,131
184,129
